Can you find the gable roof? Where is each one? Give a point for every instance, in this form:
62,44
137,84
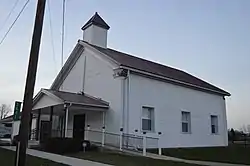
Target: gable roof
133,62
77,98
96,20
8,118
125,60
73,98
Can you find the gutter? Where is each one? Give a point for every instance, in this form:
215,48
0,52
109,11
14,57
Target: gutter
84,104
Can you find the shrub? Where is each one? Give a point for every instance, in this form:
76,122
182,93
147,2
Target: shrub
7,136
15,140
63,145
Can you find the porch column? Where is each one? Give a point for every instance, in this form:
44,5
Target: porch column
103,128
103,118
30,125
38,125
61,126
66,115
51,120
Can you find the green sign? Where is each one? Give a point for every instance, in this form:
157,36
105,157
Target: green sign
17,109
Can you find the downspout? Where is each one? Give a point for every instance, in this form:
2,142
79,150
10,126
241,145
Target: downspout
127,98
225,121
123,102
124,99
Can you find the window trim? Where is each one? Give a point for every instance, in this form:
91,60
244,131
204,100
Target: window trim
152,120
189,122
216,133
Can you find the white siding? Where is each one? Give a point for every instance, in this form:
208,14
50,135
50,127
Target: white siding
96,35
92,118
74,81
15,128
44,102
99,82
168,101
16,125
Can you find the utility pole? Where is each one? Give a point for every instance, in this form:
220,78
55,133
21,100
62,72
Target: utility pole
30,83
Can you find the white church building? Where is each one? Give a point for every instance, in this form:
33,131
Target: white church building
104,89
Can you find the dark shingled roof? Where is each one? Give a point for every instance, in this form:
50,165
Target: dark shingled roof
158,69
8,119
78,98
96,20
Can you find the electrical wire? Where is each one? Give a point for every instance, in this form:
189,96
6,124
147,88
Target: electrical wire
63,27
51,35
19,14
9,14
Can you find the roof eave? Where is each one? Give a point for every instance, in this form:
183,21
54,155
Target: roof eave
99,25
68,65
85,44
97,20
89,105
222,93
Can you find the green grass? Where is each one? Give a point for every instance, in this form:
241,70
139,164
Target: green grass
7,158
120,159
231,154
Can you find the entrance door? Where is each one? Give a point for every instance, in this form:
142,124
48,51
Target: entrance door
45,130
79,125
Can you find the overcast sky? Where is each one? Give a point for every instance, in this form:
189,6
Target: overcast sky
207,38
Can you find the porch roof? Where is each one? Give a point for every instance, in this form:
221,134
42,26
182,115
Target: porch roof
62,97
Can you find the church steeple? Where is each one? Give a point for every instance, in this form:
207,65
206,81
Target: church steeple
96,20
95,31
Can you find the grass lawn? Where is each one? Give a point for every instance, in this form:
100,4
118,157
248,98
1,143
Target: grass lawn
7,158
119,159
231,154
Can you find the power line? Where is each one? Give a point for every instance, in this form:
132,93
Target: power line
19,14
63,27
51,35
9,14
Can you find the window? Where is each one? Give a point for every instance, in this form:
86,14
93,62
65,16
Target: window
147,119
8,124
186,122
214,124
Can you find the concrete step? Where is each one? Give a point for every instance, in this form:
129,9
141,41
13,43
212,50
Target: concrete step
33,143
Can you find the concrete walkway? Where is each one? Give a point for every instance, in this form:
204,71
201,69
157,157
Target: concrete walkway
162,157
58,158
79,162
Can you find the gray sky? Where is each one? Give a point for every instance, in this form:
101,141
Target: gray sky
207,38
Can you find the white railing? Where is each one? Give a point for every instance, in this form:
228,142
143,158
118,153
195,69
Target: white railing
123,140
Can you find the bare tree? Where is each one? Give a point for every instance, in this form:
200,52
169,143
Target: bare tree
248,129
244,129
4,110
